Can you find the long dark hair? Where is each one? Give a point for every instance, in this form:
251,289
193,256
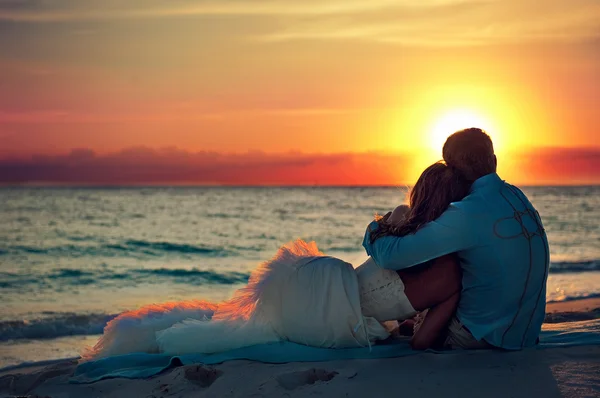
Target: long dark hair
437,187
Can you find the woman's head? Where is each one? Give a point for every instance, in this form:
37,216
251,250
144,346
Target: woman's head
437,187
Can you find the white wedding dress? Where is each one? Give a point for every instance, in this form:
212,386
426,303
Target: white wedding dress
300,295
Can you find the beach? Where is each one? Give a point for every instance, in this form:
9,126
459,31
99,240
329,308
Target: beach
163,165
553,372
74,258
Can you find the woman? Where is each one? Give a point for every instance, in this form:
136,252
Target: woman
306,297
434,286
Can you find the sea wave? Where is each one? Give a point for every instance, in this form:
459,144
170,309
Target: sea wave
575,297
126,248
169,247
223,278
574,266
59,277
54,326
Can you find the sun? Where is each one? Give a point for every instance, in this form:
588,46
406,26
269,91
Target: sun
453,121
438,131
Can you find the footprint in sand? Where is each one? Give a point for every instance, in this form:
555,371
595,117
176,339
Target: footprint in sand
293,380
22,384
202,375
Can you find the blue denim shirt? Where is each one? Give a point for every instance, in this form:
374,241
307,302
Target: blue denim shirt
504,256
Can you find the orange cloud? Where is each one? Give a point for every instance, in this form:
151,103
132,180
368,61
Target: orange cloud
143,166
556,166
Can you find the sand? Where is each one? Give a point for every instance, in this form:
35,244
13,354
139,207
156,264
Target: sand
558,372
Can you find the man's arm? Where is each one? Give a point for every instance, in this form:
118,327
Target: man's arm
450,233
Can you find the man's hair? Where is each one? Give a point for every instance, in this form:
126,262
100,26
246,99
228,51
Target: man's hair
471,153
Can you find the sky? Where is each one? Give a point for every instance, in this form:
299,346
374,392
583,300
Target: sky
336,92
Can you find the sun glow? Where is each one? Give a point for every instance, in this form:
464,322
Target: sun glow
436,132
456,120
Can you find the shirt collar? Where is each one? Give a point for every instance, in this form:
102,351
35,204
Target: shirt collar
485,181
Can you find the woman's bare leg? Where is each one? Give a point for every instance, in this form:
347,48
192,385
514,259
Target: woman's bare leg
435,323
435,286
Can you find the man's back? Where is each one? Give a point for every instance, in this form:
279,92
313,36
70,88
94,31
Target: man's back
504,256
503,299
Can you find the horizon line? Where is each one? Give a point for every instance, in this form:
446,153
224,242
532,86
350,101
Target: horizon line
204,185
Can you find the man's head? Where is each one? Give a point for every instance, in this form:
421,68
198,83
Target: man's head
471,152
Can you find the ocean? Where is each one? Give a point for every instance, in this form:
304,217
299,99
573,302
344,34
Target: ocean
73,258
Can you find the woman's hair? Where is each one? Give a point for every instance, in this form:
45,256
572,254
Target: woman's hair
437,187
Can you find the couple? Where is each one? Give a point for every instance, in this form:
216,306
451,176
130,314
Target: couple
469,255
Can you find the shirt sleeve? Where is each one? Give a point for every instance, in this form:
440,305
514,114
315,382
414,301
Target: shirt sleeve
450,233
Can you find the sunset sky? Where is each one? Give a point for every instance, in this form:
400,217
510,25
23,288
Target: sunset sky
294,91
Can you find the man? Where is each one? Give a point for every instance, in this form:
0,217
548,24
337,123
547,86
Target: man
501,245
